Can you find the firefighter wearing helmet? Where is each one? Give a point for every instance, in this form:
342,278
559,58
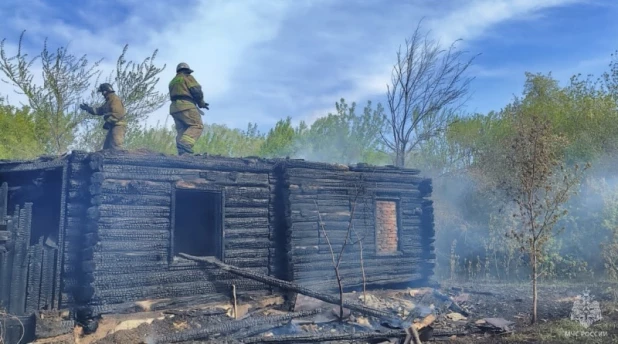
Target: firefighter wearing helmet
113,113
187,97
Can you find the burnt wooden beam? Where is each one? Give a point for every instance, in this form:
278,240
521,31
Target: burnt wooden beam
144,158
331,337
290,286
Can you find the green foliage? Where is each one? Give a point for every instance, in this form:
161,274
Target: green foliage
55,103
159,138
345,137
280,140
608,193
221,140
18,139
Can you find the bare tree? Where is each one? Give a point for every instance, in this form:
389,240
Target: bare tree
426,84
539,185
336,258
65,78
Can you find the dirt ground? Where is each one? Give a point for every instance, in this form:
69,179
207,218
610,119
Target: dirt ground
512,302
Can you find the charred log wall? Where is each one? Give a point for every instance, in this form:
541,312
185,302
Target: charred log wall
335,190
131,227
40,185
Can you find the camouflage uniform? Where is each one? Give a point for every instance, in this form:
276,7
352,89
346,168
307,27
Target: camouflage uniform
186,94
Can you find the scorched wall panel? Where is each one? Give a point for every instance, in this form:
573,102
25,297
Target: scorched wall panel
133,216
322,200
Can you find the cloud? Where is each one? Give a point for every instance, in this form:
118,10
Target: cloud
474,19
263,60
470,20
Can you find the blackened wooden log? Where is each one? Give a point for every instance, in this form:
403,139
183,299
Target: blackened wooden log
197,312
230,327
245,202
288,286
34,277
132,246
290,164
133,187
133,234
362,167
125,263
153,305
47,277
147,158
135,293
247,243
4,205
135,211
20,263
196,161
352,175
131,223
243,212
121,199
245,253
330,337
39,164
233,234
157,173
150,278
6,269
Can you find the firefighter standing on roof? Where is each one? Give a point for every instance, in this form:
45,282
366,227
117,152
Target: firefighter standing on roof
113,113
186,96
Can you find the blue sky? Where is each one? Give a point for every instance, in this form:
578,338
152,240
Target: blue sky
262,60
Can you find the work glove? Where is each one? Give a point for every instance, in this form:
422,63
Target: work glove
87,108
203,105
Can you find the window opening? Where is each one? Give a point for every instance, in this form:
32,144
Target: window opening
198,227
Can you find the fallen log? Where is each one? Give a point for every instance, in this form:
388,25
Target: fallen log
275,282
317,338
425,334
196,312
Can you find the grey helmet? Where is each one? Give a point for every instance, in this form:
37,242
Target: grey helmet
184,66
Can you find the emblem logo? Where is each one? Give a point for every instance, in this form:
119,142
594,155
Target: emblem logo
585,310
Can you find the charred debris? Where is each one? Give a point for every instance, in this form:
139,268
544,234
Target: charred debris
90,234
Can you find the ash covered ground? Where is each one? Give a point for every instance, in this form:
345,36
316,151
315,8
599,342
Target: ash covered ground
481,306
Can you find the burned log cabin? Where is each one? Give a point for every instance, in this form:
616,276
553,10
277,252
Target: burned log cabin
94,233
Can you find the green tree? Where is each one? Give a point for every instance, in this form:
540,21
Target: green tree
18,139
280,140
345,136
158,138
220,140
55,102
66,80
539,185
